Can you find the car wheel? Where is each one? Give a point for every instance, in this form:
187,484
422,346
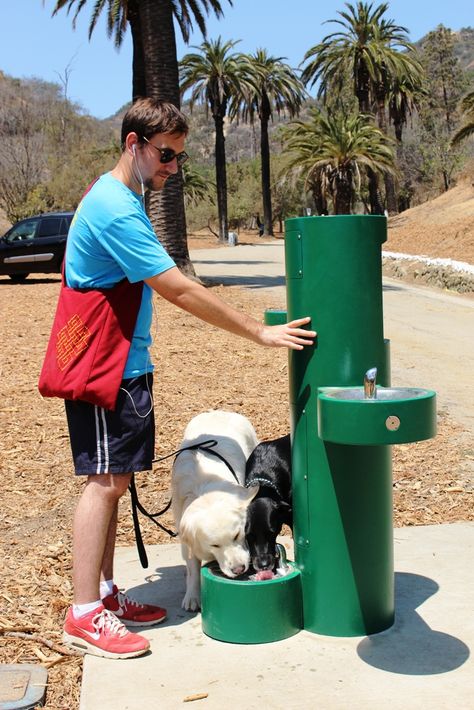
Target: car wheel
18,278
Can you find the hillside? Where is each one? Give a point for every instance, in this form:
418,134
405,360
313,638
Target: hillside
443,227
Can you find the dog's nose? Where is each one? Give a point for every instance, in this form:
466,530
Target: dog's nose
266,562
240,569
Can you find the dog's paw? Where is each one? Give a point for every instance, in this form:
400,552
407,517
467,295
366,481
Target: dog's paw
191,602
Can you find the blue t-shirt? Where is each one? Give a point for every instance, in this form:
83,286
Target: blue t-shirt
111,238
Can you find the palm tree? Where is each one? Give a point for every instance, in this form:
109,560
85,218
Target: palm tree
197,188
277,90
215,77
155,74
332,151
369,49
467,106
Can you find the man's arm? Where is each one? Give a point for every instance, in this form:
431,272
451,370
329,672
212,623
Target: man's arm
202,303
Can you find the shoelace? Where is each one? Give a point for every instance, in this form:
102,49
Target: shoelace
123,600
107,621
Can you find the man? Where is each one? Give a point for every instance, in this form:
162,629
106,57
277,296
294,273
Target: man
111,239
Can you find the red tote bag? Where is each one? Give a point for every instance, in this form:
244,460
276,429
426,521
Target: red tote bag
89,343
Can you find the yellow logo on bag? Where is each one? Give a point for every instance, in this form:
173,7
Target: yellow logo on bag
72,339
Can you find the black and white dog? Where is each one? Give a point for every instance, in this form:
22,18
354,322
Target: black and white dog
269,467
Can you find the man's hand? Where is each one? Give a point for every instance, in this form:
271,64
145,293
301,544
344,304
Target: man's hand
290,335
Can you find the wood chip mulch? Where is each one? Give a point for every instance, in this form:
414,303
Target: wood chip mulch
197,367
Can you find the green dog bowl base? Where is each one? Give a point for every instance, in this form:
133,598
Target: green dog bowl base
250,611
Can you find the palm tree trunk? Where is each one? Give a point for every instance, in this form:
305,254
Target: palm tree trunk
265,158
165,208
390,194
343,195
375,199
221,178
138,60
363,95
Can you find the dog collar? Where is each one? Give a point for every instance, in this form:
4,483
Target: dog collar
265,482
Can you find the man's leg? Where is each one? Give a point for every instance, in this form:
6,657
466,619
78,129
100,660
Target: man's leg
94,533
107,570
98,630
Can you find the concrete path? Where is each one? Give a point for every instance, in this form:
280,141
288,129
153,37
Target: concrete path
423,661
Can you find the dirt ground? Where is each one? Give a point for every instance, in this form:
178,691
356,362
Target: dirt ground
197,367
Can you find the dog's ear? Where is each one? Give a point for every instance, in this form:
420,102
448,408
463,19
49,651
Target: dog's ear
248,494
187,530
286,512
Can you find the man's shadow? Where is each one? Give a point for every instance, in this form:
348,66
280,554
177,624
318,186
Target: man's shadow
410,646
165,586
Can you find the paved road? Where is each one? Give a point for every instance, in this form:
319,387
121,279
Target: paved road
431,333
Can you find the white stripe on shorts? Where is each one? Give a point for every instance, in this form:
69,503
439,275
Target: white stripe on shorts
97,438
106,441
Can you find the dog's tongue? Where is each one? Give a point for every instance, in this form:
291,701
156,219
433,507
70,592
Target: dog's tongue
264,574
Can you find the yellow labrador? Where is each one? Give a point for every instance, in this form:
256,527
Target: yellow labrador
209,504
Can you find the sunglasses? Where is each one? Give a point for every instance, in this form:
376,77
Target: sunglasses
167,154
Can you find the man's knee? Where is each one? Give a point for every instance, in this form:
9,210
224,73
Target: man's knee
110,485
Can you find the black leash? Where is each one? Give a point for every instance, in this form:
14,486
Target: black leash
137,506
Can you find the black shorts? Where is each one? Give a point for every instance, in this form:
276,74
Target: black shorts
122,441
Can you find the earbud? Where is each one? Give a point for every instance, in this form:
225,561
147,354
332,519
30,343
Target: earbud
134,149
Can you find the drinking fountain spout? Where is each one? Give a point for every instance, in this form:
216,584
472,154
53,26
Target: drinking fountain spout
370,387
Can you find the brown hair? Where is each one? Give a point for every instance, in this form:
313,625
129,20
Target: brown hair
149,116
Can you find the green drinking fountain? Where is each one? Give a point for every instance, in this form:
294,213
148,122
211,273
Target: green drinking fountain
345,416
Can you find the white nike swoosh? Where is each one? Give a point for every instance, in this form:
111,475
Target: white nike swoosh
119,612
95,635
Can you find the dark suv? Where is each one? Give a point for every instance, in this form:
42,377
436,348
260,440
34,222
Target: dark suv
35,245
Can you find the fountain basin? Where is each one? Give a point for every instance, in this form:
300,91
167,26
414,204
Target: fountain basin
397,415
246,611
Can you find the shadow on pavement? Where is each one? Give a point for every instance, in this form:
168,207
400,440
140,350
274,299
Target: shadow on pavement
411,647
165,587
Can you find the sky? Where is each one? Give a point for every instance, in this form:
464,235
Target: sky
34,44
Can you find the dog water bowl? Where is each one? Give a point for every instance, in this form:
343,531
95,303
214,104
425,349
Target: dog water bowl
397,415
246,611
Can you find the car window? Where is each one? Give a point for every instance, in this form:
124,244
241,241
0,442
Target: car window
66,223
49,227
22,232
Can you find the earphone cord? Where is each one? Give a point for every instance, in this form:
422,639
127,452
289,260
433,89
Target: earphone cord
152,404
139,173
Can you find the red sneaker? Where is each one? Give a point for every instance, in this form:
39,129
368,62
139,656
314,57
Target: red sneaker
133,613
100,633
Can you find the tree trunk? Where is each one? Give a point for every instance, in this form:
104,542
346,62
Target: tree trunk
320,200
265,158
221,178
138,60
390,194
363,96
165,208
343,195
376,203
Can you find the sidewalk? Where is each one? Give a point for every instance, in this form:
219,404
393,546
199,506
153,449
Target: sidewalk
422,662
